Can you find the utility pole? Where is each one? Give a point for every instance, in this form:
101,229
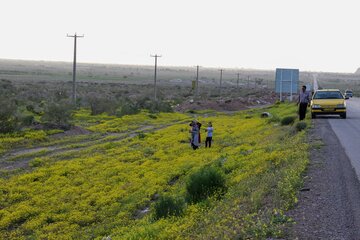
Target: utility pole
74,67
156,57
197,81
238,78
221,73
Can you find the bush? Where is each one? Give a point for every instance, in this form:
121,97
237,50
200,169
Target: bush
274,119
152,116
191,111
289,120
7,89
8,118
27,120
141,135
57,115
101,104
204,183
155,106
30,108
300,126
127,108
168,206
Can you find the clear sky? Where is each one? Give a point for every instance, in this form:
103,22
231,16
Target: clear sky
315,35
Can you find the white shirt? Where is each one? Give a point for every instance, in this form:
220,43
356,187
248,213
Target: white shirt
210,131
304,97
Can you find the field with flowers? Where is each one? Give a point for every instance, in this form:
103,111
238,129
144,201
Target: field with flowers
108,183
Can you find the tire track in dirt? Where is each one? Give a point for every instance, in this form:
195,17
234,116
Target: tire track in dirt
21,157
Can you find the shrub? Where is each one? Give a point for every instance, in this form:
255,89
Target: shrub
204,183
8,118
36,162
141,135
289,120
155,106
101,104
168,206
7,89
191,111
127,108
27,120
300,126
57,115
274,119
30,108
152,116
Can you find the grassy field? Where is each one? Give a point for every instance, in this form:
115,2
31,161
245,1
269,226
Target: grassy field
34,86
110,182
38,71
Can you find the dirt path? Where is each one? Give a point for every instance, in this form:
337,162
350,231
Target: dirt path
329,203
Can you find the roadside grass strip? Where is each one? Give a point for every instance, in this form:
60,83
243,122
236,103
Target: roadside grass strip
110,189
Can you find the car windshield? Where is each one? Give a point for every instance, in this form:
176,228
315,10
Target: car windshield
347,91
328,95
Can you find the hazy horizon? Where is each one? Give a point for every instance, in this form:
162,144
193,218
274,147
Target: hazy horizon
316,36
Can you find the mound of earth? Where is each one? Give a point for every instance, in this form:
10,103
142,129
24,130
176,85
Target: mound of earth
236,104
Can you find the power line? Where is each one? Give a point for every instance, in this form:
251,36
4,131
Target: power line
74,67
156,57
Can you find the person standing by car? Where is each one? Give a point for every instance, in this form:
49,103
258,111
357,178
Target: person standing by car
303,102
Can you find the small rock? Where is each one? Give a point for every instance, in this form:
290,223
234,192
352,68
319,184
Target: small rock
265,114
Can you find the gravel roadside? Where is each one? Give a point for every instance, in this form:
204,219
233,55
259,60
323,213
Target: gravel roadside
329,203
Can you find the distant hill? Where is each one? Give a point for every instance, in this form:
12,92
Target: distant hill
357,72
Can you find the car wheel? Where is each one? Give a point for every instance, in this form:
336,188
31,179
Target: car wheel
343,115
313,115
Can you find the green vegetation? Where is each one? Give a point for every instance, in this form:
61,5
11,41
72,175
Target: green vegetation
107,183
8,119
289,120
168,206
58,115
204,183
300,126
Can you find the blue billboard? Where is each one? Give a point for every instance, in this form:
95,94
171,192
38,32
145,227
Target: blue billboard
287,80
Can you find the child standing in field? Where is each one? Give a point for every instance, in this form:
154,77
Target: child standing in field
209,131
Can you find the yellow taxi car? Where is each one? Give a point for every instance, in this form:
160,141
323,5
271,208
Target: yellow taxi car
328,101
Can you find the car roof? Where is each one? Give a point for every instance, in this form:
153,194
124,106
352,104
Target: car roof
328,90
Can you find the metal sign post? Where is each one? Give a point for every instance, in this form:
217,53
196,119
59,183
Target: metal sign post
291,78
281,81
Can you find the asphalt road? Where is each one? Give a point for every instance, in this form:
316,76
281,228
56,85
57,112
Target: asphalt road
348,132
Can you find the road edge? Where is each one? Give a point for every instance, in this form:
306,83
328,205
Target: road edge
328,204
